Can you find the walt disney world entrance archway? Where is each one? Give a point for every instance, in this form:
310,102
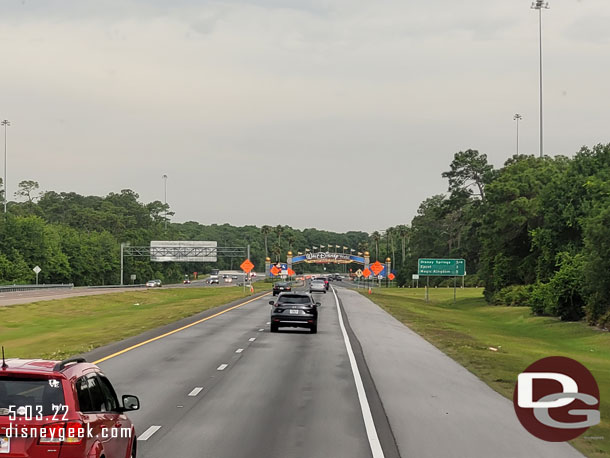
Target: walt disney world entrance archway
377,269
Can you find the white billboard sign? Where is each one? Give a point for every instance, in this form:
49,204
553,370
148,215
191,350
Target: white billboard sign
183,251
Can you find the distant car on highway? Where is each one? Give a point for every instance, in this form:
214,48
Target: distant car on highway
295,310
281,287
68,404
228,279
153,284
186,282
213,280
317,286
234,277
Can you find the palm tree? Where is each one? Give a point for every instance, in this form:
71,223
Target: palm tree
363,246
390,232
291,239
376,236
266,230
278,230
276,251
403,233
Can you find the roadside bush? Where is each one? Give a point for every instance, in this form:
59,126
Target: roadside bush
566,288
540,299
563,295
514,296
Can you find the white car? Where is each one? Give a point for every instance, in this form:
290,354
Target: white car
151,284
228,280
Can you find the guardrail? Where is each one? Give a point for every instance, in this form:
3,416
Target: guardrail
11,288
139,285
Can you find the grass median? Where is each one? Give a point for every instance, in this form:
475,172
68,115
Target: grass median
63,327
467,329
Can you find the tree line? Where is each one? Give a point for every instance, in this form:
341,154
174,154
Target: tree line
76,239
534,232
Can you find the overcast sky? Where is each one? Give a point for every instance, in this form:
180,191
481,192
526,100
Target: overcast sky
335,114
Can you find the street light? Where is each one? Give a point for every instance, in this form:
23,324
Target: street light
517,118
165,197
540,5
5,123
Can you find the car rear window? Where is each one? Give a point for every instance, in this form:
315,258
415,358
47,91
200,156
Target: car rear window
318,281
24,392
295,300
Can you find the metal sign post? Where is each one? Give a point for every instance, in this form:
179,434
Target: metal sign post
430,267
36,271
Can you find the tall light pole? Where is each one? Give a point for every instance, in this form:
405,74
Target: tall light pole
5,123
517,118
165,197
540,5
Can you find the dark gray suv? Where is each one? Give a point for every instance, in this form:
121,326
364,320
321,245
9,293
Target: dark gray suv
295,310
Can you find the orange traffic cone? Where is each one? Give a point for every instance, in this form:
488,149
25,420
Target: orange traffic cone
251,288
370,291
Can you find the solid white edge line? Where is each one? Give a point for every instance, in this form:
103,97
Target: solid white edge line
196,391
222,367
369,423
148,433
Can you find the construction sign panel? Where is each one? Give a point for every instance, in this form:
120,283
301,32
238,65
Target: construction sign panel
366,273
247,266
377,267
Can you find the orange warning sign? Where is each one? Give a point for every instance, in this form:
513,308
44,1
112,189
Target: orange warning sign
291,272
391,276
247,266
274,270
377,267
366,273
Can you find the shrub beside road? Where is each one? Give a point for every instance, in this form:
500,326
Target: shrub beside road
470,330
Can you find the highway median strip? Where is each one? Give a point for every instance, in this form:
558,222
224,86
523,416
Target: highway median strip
78,325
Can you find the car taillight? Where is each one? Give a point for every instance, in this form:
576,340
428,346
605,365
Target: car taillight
71,432
53,433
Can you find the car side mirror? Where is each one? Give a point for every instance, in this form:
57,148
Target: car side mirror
318,304
271,303
130,402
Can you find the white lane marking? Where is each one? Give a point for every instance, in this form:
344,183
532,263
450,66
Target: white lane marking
222,367
369,423
196,391
252,339
268,322
261,330
148,433
239,350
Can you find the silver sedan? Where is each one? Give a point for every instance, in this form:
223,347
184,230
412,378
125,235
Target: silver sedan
317,286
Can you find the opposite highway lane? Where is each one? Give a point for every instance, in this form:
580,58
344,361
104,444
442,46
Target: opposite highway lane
227,388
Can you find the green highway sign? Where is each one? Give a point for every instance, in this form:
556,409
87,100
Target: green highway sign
441,267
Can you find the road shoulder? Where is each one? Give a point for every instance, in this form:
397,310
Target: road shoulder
435,406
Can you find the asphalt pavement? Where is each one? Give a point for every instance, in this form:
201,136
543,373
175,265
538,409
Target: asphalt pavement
228,388
26,297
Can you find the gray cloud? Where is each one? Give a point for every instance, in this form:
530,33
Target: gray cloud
259,105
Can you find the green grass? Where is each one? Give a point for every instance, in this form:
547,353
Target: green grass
467,329
64,327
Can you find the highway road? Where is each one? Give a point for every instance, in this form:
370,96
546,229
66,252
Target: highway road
228,388
26,297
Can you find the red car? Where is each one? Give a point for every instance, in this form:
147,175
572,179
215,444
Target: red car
65,409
